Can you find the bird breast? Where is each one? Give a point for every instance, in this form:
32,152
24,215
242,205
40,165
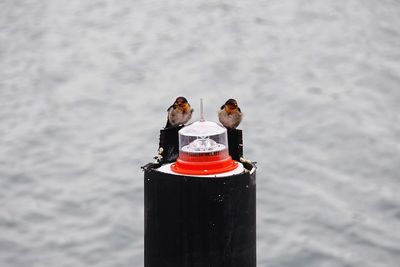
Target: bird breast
231,120
176,116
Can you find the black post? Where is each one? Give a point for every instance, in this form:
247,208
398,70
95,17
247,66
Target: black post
169,142
235,142
200,221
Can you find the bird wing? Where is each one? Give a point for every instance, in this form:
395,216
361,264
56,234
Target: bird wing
168,124
172,106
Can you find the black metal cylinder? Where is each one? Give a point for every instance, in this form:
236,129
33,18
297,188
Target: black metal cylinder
200,221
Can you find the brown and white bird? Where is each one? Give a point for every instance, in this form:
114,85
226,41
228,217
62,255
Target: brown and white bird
180,112
230,114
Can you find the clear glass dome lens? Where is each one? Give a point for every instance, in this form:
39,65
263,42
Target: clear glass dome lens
203,149
203,138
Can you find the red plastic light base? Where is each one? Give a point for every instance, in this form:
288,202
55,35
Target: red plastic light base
207,165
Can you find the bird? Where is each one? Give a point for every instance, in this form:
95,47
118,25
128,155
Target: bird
180,112
230,114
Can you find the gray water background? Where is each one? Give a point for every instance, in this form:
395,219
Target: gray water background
84,87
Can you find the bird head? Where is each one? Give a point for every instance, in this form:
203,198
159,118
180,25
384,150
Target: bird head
182,103
231,105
